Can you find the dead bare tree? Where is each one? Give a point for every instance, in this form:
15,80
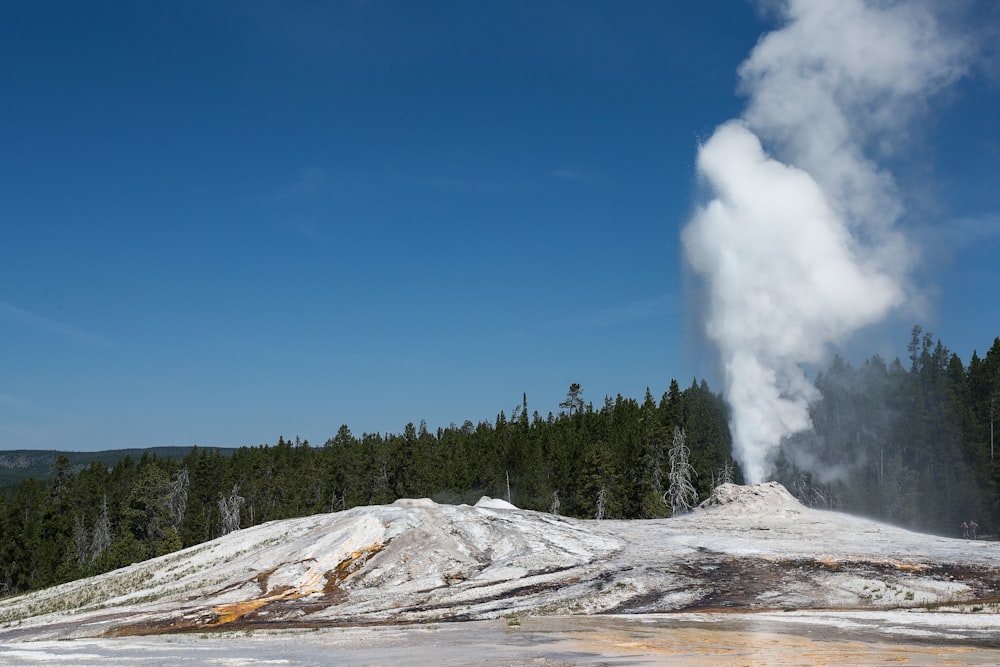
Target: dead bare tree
81,542
102,533
680,495
229,511
725,475
602,497
177,500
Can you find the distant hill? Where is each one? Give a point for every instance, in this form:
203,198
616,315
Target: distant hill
20,464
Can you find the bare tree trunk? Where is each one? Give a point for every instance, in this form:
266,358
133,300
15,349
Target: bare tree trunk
102,533
80,541
601,499
229,511
177,502
680,495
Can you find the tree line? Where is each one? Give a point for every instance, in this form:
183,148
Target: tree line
910,442
613,461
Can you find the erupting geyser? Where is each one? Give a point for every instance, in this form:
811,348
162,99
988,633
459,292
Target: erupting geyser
798,245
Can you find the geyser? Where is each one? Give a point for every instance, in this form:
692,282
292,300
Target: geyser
798,244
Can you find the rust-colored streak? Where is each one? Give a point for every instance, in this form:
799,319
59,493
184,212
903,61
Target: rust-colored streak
324,589
235,611
354,562
729,585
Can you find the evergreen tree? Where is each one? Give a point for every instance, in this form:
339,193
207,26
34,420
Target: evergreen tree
147,513
653,461
913,444
574,400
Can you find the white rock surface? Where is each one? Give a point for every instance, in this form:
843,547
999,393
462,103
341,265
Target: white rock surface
746,548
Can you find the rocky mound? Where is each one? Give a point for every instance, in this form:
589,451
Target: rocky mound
769,497
409,561
495,503
746,547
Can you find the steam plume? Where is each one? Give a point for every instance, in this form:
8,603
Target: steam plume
798,246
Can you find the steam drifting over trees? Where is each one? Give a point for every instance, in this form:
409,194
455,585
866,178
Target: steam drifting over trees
907,443
797,246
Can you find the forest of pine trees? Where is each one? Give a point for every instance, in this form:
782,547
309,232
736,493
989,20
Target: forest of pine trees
910,443
611,461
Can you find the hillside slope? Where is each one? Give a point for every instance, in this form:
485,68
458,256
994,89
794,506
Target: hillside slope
19,464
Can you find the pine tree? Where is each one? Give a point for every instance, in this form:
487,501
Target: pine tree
146,513
574,401
653,440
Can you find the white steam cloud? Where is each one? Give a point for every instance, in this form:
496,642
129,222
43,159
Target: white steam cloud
798,246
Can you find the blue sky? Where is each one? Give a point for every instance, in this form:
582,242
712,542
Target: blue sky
223,222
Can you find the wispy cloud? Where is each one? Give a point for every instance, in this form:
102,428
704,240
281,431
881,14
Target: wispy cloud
470,185
285,353
303,202
626,313
948,240
307,228
12,402
618,315
971,231
575,175
26,318
308,183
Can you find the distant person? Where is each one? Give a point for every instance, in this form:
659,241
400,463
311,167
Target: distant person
972,529
965,530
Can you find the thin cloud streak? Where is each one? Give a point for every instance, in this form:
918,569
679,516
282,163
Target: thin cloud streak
618,315
573,175
310,182
635,311
12,402
947,241
37,322
973,231
471,185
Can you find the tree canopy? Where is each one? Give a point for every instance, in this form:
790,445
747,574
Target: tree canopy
910,443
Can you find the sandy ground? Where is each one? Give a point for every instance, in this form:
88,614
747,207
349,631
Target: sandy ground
690,640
